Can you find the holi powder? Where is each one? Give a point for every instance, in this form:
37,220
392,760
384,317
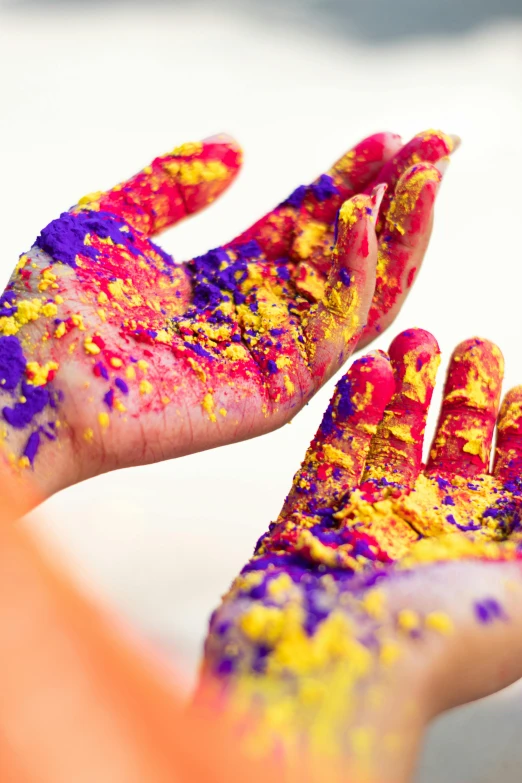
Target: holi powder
263,320
308,626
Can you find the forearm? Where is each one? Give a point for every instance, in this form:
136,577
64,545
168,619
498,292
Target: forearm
314,730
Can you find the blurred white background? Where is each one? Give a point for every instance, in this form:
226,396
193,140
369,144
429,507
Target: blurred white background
89,94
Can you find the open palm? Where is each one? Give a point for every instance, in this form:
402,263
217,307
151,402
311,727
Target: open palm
382,575
118,356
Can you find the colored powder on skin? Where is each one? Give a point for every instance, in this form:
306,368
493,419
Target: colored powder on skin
12,362
7,301
64,238
324,188
122,386
22,413
32,446
488,610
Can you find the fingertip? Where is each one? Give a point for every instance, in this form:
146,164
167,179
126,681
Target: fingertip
456,141
225,148
360,165
421,174
510,416
203,170
442,165
410,209
413,340
374,367
434,144
366,388
514,394
221,138
387,144
476,349
415,357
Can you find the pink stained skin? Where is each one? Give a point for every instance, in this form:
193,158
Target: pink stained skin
370,380
143,360
469,410
508,451
399,438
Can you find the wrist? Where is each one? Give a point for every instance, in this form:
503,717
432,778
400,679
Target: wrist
362,721
56,465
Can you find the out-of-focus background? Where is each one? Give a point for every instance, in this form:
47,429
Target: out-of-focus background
90,91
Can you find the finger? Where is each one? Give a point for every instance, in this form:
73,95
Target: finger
426,147
464,434
174,185
301,227
335,323
335,459
508,452
396,448
402,244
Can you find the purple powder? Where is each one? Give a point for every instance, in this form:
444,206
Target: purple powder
108,398
488,610
32,446
345,277
324,188
121,385
21,414
64,238
6,303
102,370
296,198
283,273
12,362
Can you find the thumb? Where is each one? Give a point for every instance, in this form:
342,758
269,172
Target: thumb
480,651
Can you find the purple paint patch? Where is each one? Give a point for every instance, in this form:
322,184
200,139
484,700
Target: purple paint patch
12,362
100,369
108,398
121,385
32,446
21,414
7,301
64,238
296,198
345,276
489,610
324,188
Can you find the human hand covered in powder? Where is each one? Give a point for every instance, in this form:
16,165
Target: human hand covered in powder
386,591
111,355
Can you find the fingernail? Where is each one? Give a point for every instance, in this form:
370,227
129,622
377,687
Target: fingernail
219,138
376,198
442,165
456,141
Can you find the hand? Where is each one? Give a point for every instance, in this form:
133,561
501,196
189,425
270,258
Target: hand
111,355
386,592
